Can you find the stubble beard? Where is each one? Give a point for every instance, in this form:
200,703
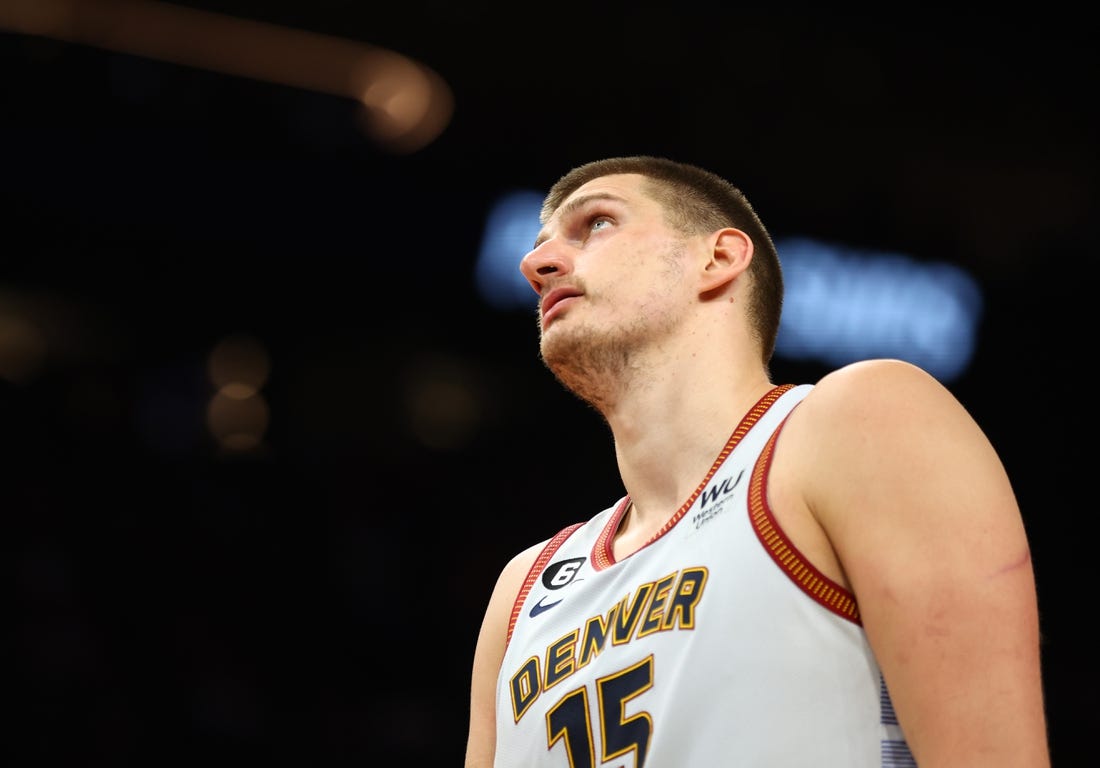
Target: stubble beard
598,363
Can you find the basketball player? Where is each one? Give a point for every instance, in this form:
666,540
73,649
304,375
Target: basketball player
829,575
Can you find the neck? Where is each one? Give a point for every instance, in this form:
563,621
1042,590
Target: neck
670,421
670,393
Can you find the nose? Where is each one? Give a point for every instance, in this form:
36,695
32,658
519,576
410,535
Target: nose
548,258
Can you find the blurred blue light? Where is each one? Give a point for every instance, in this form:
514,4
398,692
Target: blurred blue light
844,305
841,304
510,231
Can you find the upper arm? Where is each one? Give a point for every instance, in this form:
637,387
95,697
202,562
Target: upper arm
488,655
921,514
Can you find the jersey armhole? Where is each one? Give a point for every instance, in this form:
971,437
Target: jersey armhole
782,550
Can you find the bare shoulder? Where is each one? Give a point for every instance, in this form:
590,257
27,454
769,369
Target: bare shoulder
516,569
506,591
856,412
878,428
881,388
915,505
507,587
488,654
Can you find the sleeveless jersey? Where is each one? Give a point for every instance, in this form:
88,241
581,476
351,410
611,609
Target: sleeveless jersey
715,644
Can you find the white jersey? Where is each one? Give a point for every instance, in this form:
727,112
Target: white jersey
716,644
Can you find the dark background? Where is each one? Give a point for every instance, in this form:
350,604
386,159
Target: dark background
317,601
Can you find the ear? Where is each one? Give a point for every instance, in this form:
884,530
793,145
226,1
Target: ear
730,255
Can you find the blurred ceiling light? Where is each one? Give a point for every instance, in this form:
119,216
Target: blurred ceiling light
40,331
22,348
238,425
406,104
239,365
443,402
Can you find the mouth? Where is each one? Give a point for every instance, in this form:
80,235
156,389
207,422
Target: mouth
554,303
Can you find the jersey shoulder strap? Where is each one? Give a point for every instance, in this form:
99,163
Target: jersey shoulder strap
536,568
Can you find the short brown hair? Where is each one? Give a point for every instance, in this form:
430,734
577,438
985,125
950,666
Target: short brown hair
697,200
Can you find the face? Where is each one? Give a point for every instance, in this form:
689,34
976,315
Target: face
610,276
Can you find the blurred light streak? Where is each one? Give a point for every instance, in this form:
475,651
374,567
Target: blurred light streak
406,104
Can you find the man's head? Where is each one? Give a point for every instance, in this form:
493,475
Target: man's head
696,201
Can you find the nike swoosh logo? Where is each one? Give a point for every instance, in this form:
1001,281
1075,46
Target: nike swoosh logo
539,607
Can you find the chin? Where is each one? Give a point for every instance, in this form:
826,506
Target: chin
557,338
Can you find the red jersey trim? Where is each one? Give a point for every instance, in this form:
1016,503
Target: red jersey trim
814,583
602,556
537,568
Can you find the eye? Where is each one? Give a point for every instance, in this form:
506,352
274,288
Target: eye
596,223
